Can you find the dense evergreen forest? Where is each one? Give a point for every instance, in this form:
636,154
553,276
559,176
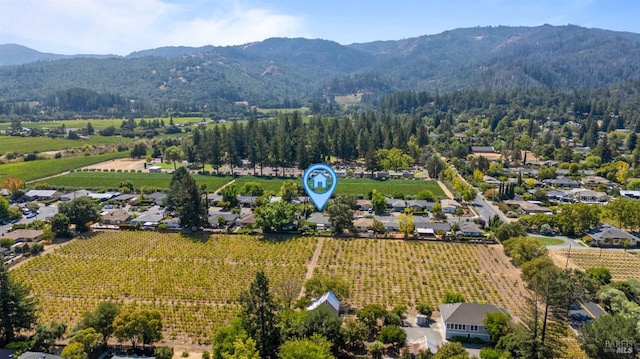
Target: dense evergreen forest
549,125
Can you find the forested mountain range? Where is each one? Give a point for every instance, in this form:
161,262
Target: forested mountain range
14,54
280,71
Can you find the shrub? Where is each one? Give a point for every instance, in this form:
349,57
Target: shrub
424,309
185,354
163,353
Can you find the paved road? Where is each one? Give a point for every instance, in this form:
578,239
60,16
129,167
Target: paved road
583,312
486,210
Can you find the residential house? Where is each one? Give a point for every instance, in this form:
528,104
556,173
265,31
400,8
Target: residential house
466,319
382,174
25,235
328,300
363,224
246,201
594,181
611,236
149,218
420,205
589,196
558,196
213,199
104,196
529,207
390,223
125,198
40,195
630,194
38,355
479,150
172,223
73,195
449,205
247,220
214,217
469,229
397,205
491,180
157,197
364,205
116,217
322,221
562,182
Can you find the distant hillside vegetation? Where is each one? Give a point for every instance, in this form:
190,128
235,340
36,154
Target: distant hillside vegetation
276,71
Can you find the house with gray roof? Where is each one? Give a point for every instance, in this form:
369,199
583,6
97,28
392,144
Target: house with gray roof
562,182
150,218
467,319
420,205
157,197
611,236
321,220
75,194
40,194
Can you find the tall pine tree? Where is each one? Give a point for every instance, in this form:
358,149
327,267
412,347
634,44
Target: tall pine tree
259,317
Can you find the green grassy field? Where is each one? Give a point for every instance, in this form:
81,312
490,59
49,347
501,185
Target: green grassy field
41,144
111,180
97,124
392,187
357,186
32,170
546,241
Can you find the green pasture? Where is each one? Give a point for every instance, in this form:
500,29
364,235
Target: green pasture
112,180
97,124
390,187
42,144
356,186
33,170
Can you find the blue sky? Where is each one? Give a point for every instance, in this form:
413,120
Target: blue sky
123,26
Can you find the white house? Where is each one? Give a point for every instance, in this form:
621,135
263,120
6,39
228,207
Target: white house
466,319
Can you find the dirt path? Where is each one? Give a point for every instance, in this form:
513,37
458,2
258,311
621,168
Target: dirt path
227,184
312,265
445,190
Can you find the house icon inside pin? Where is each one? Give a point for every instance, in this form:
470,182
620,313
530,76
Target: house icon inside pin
319,181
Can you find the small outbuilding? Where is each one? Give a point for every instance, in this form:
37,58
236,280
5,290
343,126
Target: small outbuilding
329,300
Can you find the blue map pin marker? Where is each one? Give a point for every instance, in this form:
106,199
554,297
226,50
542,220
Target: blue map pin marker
319,182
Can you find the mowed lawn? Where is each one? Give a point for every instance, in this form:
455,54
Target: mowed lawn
356,186
33,170
112,180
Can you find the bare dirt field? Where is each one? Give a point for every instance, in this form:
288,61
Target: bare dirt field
120,164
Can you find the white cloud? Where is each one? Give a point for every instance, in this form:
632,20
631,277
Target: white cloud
123,26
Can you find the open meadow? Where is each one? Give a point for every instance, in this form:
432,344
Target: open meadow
42,144
32,170
111,180
195,282
622,264
97,124
357,186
